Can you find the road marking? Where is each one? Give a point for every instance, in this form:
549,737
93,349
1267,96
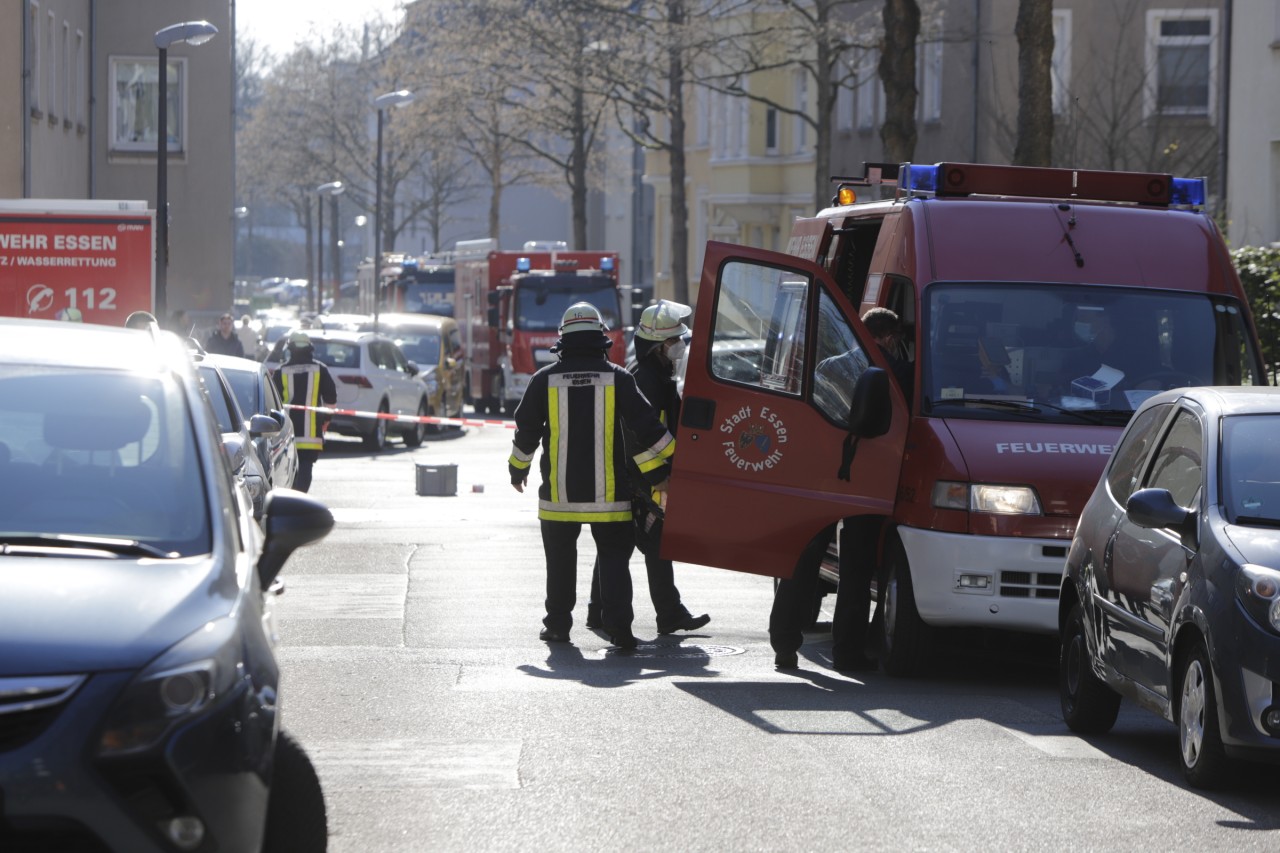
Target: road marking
344,596
401,764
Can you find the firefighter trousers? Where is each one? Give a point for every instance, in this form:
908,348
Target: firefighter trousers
615,541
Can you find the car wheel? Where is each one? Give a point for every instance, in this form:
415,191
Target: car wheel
296,817
1089,706
1204,762
904,638
376,438
415,435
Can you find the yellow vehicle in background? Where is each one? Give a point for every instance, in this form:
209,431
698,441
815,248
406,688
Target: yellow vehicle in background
434,343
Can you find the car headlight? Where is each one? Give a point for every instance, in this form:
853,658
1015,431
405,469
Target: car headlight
986,497
175,687
1258,589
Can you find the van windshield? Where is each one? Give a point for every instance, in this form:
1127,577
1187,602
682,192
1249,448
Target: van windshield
1063,352
540,301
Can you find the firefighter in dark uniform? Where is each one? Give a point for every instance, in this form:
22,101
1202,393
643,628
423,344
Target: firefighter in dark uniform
659,344
303,381
576,409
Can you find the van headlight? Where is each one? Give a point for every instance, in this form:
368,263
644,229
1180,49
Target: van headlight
1258,591
177,686
986,497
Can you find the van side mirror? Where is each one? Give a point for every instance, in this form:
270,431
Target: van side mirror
870,410
493,318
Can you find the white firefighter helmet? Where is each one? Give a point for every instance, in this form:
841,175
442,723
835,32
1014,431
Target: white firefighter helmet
663,320
582,317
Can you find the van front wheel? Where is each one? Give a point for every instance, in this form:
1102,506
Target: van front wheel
903,635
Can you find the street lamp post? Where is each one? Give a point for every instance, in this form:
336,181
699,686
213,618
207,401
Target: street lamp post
333,189
193,33
382,102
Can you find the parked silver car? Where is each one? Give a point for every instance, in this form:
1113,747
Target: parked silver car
238,432
257,395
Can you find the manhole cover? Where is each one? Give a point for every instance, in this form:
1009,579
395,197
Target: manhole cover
681,650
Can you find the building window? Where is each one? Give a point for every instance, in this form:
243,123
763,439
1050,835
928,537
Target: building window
801,137
870,91
78,87
844,106
68,107
35,53
771,130
1061,62
51,67
134,109
1182,52
929,72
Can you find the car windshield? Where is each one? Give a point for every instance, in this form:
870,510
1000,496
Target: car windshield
1061,352
429,293
422,347
99,453
1251,468
541,301
245,387
227,420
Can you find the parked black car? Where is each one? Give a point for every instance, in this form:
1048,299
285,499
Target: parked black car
139,689
1171,596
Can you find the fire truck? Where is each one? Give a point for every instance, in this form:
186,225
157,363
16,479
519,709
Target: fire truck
1039,308
412,285
94,256
509,305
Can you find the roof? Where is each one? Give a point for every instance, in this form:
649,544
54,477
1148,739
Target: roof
60,344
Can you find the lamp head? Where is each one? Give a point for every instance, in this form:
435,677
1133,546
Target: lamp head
191,32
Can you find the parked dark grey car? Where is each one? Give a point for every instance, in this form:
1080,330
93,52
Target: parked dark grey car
139,689
1171,596
251,384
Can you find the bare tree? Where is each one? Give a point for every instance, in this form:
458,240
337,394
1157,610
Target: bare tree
898,74
1034,30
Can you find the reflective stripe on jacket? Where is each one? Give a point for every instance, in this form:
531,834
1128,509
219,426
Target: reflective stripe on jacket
575,409
303,384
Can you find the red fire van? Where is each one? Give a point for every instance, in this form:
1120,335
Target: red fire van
1040,308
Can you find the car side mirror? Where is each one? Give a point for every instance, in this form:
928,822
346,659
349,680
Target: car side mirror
279,417
493,318
263,425
291,520
870,409
413,368
1155,509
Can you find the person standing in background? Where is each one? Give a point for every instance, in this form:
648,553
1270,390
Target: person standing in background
303,381
223,340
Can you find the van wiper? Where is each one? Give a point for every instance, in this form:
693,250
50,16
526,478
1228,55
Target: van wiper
10,545
1257,521
1028,407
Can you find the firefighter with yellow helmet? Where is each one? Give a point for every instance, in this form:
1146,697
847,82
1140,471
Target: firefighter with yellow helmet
303,381
575,409
660,346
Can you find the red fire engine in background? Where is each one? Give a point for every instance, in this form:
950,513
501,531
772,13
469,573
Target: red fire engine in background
509,306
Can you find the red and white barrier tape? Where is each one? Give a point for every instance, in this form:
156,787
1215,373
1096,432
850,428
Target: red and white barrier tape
406,419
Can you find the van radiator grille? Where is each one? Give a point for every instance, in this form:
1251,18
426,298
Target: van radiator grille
1030,584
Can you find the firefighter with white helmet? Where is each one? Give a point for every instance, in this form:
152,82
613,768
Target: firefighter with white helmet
659,345
576,409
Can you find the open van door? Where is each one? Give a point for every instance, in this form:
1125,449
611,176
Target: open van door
785,426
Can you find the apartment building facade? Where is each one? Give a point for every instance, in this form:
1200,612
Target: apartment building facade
78,115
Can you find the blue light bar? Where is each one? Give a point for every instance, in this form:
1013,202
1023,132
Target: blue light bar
522,265
409,263
922,179
1188,191
606,264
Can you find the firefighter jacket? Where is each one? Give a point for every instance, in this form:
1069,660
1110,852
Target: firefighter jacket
653,376
304,382
576,410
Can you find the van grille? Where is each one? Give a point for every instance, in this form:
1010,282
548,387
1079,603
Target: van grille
1030,584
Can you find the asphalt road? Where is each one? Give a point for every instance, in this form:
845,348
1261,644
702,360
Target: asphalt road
438,721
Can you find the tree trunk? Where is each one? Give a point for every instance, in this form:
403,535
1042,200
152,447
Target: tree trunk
1035,83
826,99
898,74
495,195
679,197
578,171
